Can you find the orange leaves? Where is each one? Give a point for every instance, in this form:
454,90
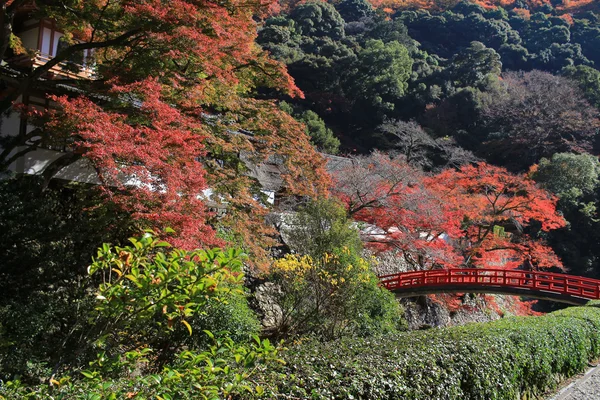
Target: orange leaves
151,168
498,196
523,13
578,5
496,207
173,116
567,6
568,18
475,216
405,215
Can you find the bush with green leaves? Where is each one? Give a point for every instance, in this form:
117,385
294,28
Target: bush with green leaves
225,370
327,288
331,296
321,226
505,359
140,341
47,234
572,177
231,313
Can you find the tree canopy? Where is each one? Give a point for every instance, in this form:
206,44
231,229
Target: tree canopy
175,84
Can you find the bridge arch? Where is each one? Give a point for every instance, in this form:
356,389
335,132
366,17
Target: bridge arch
563,288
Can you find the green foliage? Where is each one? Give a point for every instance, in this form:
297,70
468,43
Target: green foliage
574,178
356,85
382,74
148,296
471,66
588,80
318,19
146,307
331,291
225,370
570,177
231,314
354,10
506,359
593,303
46,238
334,295
320,135
48,234
320,227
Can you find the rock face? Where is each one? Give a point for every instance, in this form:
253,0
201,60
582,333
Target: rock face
265,304
422,312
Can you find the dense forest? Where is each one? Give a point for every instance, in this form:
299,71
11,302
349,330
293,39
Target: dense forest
402,134
447,84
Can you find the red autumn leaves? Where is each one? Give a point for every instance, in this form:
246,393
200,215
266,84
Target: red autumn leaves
476,216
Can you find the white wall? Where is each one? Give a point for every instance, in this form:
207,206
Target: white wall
36,161
46,35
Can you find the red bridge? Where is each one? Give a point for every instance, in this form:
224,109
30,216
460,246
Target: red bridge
535,284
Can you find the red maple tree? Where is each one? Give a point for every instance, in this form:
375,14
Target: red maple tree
171,111
492,209
476,216
402,212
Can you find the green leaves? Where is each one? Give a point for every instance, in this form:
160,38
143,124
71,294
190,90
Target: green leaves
141,281
382,74
146,308
506,359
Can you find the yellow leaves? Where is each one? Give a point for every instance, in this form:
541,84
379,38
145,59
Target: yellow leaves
293,265
363,265
58,383
187,325
117,271
333,269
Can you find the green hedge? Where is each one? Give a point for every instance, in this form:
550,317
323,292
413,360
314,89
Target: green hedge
505,359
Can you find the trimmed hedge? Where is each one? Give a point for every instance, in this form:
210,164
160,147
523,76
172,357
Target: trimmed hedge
505,359
512,358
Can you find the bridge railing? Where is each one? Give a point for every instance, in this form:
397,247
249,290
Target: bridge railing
533,280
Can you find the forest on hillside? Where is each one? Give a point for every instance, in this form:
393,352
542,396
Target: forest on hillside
516,86
256,165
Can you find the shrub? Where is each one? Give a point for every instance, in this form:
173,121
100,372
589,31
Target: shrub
145,306
47,235
498,360
334,295
320,227
229,314
223,371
